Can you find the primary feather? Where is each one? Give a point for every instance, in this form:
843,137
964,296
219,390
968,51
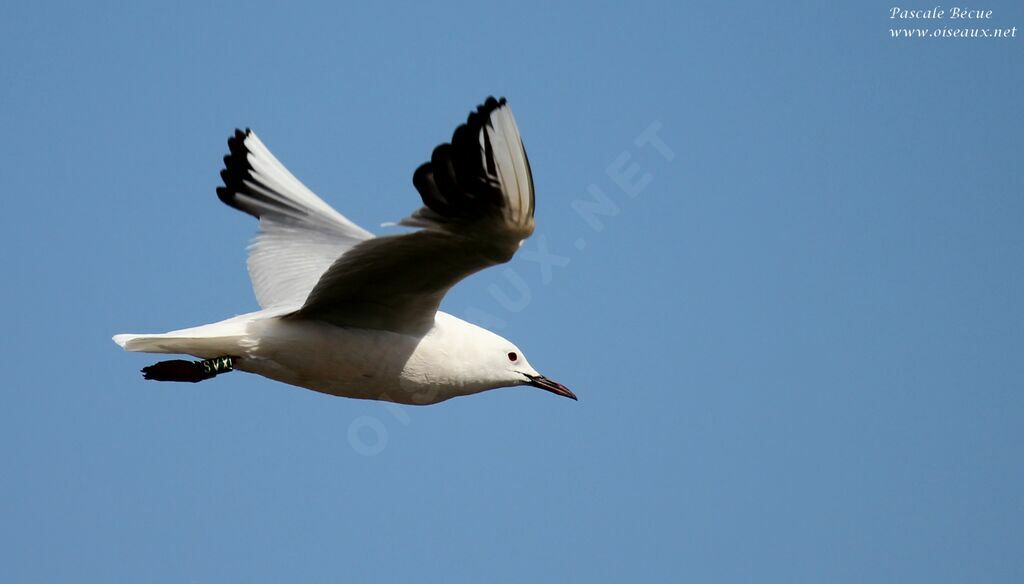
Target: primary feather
300,235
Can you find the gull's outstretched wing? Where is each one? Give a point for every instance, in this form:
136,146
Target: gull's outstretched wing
300,236
478,201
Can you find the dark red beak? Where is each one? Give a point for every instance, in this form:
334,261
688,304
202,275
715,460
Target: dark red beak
549,385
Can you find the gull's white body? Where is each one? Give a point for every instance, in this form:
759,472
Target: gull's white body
349,314
350,362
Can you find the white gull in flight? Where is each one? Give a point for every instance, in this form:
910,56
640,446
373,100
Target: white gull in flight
349,314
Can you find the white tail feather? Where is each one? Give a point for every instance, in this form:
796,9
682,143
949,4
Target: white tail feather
204,348
227,337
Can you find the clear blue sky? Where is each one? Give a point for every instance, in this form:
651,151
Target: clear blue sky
799,349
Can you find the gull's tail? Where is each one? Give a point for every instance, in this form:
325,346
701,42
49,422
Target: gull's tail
214,343
202,347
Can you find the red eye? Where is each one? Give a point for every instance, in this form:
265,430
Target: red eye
512,356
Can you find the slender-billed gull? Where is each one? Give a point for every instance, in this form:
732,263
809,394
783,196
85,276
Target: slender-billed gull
353,315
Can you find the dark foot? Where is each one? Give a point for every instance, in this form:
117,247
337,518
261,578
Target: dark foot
188,371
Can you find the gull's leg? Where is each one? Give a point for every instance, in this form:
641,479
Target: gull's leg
190,371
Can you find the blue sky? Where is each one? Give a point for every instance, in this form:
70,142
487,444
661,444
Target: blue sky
797,347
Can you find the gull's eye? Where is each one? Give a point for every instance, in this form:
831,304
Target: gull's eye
513,357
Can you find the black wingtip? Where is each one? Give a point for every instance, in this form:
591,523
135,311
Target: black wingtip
456,183
236,170
246,190
483,111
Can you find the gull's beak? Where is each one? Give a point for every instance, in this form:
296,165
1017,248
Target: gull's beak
549,385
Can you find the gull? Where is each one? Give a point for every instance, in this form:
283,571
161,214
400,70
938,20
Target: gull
349,314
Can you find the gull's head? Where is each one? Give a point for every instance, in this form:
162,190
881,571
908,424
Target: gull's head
509,368
477,359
